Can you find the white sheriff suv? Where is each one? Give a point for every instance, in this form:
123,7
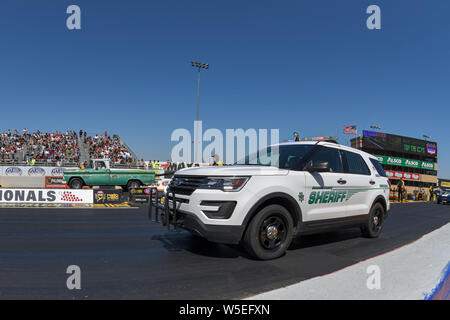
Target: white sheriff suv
315,186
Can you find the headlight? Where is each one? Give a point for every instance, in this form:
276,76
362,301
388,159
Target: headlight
225,184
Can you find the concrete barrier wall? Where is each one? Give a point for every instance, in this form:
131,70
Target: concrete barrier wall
32,171
22,182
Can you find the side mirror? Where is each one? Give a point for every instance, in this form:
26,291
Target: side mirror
317,166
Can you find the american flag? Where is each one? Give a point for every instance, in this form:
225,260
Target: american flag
350,130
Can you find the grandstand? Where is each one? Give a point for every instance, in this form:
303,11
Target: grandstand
62,149
108,147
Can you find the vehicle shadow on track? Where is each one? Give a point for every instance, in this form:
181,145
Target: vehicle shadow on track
184,241
313,240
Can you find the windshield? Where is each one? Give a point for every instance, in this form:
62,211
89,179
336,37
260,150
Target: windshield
283,157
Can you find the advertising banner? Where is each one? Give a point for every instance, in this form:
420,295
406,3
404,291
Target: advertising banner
142,195
55,182
108,196
407,162
31,171
143,191
402,175
444,183
392,142
46,196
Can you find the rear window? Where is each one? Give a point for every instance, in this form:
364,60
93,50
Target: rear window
330,155
378,166
356,163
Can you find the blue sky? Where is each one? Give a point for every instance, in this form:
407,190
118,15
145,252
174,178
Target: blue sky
309,66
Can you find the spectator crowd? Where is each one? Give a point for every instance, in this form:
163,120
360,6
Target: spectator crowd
105,146
10,144
58,148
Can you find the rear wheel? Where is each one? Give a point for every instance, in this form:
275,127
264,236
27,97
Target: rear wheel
76,183
372,228
133,184
269,233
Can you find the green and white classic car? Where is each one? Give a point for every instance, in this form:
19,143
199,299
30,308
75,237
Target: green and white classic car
99,173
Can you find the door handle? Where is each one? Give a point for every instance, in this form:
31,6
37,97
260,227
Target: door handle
372,182
341,181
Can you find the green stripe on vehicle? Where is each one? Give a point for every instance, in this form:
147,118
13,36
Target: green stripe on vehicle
333,195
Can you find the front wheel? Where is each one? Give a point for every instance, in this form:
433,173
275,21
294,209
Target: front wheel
269,233
372,228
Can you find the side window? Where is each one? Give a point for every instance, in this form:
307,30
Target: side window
378,166
356,163
101,165
331,155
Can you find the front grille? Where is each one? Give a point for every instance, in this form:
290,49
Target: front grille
186,185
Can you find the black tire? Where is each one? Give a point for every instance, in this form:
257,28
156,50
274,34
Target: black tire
269,233
372,228
133,184
76,183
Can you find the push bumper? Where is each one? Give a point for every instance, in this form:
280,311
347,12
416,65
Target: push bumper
173,218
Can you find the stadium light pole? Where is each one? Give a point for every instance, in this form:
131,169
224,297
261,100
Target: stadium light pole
199,66
197,138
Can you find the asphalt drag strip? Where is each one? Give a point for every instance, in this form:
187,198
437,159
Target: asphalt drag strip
123,255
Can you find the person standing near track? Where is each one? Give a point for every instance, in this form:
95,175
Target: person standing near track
216,161
400,189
